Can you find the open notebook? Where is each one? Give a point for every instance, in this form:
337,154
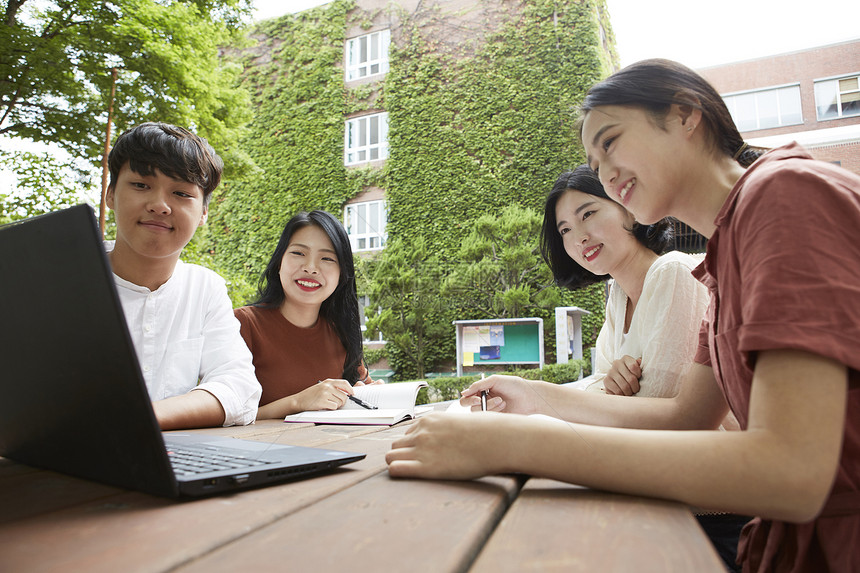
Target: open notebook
395,402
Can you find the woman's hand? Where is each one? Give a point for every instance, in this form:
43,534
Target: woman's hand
447,446
623,377
506,394
328,394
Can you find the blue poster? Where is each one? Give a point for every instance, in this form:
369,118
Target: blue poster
491,352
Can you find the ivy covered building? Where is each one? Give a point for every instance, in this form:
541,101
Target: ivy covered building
411,119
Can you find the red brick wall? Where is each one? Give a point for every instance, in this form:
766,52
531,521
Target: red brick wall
847,154
796,67
803,67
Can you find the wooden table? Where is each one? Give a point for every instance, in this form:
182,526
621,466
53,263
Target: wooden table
355,518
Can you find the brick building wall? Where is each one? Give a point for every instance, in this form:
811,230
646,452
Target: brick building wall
835,140
846,154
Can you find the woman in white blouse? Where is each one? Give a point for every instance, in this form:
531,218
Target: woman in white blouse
655,306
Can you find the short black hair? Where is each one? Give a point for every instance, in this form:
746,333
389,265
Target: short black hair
173,150
566,272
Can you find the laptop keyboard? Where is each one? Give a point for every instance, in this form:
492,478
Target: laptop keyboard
190,460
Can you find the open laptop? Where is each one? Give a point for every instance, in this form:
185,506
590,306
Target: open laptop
72,397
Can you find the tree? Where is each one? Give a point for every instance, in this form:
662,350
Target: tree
45,183
56,59
404,286
501,273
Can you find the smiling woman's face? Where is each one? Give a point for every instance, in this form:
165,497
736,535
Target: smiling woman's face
310,270
595,232
636,160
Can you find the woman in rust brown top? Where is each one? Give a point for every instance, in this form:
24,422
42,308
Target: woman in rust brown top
304,329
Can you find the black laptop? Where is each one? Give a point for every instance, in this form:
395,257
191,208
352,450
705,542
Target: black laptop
72,397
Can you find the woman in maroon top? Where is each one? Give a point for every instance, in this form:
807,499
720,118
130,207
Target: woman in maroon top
780,346
304,330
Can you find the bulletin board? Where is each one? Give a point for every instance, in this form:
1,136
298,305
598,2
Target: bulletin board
500,341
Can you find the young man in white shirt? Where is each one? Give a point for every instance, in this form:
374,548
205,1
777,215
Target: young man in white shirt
198,370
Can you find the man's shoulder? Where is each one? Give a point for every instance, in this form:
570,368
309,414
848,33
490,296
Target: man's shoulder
194,273
197,287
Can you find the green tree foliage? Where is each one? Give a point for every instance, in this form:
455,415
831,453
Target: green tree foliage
295,137
56,59
474,125
404,286
45,183
501,273
490,122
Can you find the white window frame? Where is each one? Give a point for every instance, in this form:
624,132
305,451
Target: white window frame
359,220
731,100
367,56
365,139
829,88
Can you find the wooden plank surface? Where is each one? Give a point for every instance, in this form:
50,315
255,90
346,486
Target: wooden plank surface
26,491
35,491
381,524
553,526
356,518
130,531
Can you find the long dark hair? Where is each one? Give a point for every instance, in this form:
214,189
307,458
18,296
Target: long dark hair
341,308
654,85
567,272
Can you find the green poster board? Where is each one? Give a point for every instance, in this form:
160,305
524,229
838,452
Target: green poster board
502,341
521,345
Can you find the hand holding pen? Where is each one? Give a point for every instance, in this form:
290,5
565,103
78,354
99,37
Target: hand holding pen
500,393
328,394
344,387
473,390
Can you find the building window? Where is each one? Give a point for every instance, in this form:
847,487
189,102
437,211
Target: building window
366,139
365,225
765,109
364,302
367,55
837,98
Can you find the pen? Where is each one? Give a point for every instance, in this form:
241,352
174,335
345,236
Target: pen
358,401
484,394
361,403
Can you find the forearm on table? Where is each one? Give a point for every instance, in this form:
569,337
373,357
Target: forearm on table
781,467
196,409
600,409
279,408
740,472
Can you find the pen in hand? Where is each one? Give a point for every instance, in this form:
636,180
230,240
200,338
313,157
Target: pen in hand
361,402
484,394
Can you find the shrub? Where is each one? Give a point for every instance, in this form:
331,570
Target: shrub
449,387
